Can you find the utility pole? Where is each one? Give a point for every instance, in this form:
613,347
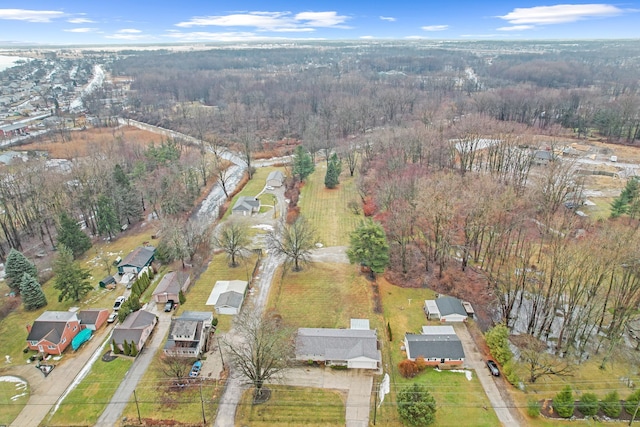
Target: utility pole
204,419
220,350
137,407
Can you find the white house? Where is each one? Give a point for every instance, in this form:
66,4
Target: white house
447,309
436,345
275,179
227,296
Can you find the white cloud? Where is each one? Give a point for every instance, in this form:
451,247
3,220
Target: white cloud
128,31
127,36
367,37
231,36
39,16
415,37
80,30
269,21
516,28
435,27
80,21
388,18
559,14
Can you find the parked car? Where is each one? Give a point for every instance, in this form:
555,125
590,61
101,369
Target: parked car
169,305
118,303
493,368
195,369
269,188
112,317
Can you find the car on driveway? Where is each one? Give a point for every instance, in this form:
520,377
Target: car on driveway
493,368
168,306
112,317
118,303
195,369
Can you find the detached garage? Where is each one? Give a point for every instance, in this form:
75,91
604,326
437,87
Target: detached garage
227,296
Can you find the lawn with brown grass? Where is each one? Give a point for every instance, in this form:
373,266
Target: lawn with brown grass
84,142
327,210
293,406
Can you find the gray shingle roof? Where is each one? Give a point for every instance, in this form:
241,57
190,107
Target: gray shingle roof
132,327
171,283
246,203
450,305
229,298
337,344
89,316
139,257
51,325
434,346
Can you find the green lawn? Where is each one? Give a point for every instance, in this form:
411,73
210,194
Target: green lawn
459,401
293,406
253,187
13,397
322,296
327,209
86,402
160,399
218,269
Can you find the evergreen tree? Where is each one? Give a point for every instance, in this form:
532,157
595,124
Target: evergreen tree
181,297
32,296
70,235
17,264
416,406
70,278
108,223
563,402
126,200
369,247
125,348
334,168
627,202
133,349
302,163
116,349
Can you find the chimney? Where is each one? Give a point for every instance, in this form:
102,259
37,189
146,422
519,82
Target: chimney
29,328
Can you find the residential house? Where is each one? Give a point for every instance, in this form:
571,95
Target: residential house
188,334
227,296
275,179
353,348
246,206
136,329
542,157
447,309
93,318
138,259
170,286
53,331
436,345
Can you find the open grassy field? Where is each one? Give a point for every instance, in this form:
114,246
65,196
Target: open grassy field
13,396
84,142
86,402
160,399
322,296
327,209
293,406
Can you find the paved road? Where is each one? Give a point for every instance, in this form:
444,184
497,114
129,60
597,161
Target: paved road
120,399
474,360
45,392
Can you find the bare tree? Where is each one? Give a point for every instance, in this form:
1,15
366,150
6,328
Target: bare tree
261,348
233,239
540,363
175,367
294,241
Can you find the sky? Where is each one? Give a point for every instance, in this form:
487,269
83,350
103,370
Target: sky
107,22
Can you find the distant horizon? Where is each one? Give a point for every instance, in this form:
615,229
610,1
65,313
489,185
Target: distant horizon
119,22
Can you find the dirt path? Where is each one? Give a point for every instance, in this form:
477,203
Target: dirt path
45,392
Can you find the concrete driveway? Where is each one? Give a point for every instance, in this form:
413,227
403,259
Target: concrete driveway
356,383
475,360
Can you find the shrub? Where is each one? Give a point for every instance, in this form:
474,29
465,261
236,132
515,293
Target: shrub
116,349
632,402
408,368
389,332
421,364
125,346
510,374
588,404
181,297
498,342
610,405
563,402
214,322
533,408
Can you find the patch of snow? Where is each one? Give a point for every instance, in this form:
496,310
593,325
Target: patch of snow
265,227
467,373
21,386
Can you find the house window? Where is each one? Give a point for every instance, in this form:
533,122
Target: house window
64,340
51,347
33,343
75,328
